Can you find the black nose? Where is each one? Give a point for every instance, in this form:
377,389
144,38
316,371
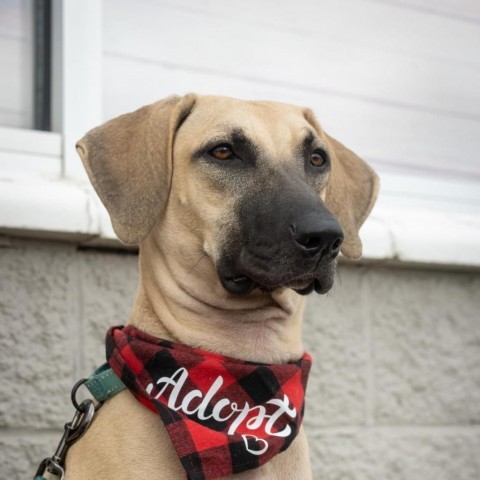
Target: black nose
318,234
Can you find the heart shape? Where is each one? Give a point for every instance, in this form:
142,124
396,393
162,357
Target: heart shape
255,452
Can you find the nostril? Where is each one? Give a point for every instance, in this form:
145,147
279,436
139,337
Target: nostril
336,245
312,243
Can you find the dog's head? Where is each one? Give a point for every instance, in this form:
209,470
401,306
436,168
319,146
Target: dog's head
258,187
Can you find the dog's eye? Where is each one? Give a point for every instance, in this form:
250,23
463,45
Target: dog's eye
222,152
318,158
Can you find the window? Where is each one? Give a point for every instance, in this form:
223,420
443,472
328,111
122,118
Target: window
16,52
25,49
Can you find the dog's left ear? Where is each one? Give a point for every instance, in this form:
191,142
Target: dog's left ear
351,193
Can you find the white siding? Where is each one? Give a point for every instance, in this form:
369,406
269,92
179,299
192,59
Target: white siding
16,71
394,80
466,10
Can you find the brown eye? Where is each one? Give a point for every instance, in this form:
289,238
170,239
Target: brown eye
222,152
318,159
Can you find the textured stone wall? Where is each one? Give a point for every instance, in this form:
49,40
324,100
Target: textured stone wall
394,392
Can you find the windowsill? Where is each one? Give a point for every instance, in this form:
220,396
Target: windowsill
29,153
394,233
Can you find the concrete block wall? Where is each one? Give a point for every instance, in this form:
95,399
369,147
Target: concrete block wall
394,392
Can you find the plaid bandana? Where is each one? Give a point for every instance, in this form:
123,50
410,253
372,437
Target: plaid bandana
223,415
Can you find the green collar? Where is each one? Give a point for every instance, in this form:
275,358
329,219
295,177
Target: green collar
103,383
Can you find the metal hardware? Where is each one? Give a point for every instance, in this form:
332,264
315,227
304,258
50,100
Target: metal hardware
50,466
73,395
55,465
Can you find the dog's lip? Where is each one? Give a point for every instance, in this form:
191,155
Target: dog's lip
321,286
239,284
303,285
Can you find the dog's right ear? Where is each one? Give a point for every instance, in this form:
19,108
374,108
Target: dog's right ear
129,162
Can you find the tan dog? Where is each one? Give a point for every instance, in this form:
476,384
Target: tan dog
233,204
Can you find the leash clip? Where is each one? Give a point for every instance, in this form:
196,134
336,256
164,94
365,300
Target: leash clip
73,430
51,467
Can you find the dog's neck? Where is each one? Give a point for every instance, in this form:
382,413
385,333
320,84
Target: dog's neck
188,305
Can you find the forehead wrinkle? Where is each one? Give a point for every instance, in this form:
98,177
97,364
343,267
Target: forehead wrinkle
259,136
309,138
312,138
233,135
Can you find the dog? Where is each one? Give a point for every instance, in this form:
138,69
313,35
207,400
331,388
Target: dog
240,209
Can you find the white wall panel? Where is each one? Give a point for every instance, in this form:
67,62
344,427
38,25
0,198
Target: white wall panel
386,135
397,84
387,27
383,24
179,37
466,10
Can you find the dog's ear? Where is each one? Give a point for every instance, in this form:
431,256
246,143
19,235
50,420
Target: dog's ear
129,162
351,193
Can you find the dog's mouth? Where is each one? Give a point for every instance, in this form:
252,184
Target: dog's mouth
246,270
243,285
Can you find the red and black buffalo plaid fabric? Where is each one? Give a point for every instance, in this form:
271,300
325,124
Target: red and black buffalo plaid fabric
223,415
